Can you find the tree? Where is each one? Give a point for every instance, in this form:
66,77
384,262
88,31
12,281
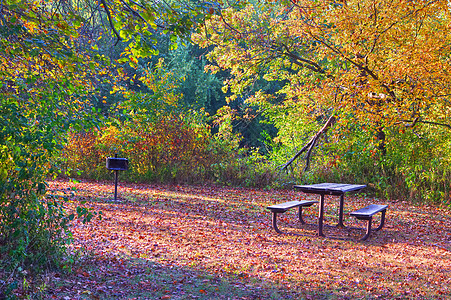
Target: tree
46,81
385,63
51,69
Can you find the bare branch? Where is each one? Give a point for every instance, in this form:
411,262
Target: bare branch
309,153
411,125
309,146
417,120
110,20
302,62
134,12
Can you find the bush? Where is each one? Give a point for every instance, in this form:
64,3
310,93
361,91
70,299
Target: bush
34,226
249,169
173,148
415,166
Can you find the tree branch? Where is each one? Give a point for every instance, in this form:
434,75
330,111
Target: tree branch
417,120
302,62
107,10
137,4
134,12
309,146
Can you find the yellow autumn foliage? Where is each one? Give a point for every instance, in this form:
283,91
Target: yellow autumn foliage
386,62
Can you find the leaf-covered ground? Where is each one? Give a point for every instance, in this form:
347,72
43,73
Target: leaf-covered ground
185,242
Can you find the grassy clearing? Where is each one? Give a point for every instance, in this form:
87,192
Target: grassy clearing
184,242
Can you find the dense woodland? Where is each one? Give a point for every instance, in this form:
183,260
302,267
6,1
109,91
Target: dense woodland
241,93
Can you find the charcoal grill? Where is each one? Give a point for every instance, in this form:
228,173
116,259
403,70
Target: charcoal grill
116,164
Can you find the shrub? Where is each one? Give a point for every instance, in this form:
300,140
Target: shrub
34,226
415,166
173,148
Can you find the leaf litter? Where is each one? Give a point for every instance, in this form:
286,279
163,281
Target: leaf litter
209,242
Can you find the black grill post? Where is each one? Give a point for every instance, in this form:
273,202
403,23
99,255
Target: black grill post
115,181
116,164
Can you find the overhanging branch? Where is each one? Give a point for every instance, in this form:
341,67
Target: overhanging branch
310,145
412,123
110,20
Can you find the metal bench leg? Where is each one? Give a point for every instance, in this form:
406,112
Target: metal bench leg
382,221
274,222
300,215
368,229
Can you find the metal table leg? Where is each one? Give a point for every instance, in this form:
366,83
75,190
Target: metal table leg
340,213
321,215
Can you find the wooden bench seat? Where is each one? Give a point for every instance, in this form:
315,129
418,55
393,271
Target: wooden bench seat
283,207
367,214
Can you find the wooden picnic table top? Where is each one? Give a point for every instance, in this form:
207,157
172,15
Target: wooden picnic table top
329,188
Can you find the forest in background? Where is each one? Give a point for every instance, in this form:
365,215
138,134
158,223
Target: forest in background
227,93
237,99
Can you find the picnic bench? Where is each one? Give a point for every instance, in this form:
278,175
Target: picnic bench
367,214
283,207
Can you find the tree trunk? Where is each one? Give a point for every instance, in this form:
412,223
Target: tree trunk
381,140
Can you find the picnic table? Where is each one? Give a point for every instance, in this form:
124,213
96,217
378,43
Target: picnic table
336,189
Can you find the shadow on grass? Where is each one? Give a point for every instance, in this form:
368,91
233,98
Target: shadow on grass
128,278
